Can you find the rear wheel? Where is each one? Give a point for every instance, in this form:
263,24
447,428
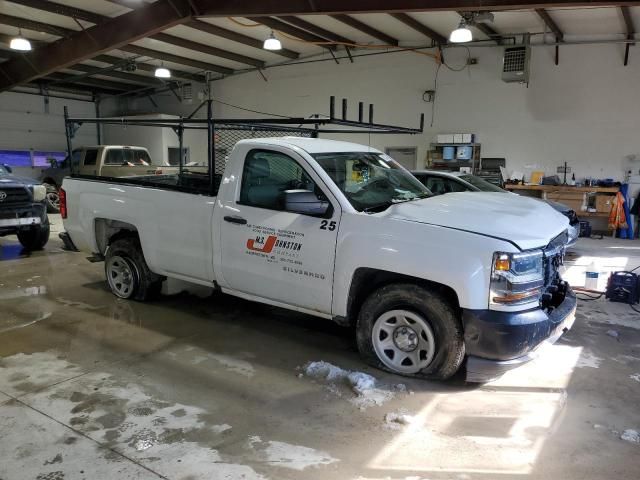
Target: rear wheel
127,272
35,237
53,198
410,330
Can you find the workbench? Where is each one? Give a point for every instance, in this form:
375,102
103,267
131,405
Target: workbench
574,197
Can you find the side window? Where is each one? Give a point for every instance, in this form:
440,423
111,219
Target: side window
115,156
436,185
90,157
454,186
267,175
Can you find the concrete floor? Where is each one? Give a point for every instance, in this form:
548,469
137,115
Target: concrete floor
211,388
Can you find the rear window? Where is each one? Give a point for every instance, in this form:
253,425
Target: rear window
91,156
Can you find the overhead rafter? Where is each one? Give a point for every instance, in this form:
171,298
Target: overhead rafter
209,50
98,19
288,29
363,27
151,68
249,8
170,57
67,79
110,72
419,27
553,26
628,24
236,37
65,32
310,27
83,45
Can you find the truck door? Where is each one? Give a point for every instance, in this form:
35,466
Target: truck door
273,253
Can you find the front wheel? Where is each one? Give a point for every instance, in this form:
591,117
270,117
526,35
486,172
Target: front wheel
35,237
127,272
410,330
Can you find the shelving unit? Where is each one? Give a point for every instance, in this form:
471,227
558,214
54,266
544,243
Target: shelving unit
435,157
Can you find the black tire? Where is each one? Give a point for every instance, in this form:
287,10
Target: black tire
145,284
35,237
53,200
446,328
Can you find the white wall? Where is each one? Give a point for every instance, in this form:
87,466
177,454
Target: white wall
586,111
25,124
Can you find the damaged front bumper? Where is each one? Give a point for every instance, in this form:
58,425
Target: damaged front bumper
496,342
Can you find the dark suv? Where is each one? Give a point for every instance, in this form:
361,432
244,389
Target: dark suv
23,209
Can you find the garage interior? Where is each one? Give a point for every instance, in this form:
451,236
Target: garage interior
540,98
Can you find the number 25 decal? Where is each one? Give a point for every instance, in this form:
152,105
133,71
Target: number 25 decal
327,225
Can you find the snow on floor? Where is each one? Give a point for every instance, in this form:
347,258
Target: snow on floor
631,436
367,389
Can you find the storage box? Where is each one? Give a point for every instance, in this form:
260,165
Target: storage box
603,203
445,138
573,200
457,138
468,137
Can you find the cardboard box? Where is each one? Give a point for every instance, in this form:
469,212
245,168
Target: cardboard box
457,138
573,200
603,203
467,138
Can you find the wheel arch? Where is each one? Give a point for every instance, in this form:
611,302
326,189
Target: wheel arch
367,280
108,231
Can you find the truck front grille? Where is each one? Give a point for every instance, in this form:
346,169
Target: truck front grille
14,196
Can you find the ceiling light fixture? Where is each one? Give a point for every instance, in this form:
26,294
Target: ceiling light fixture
162,72
272,43
462,34
20,43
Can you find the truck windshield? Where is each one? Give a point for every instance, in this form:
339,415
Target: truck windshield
372,182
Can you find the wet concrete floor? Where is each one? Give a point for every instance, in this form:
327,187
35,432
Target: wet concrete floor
213,388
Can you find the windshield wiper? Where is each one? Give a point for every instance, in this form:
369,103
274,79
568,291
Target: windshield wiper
379,207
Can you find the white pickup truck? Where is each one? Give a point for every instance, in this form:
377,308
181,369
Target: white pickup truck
341,231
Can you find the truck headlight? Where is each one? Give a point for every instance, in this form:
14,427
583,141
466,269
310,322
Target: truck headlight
516,278
39,193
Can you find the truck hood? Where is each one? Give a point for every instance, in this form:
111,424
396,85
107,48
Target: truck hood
14,180
527,222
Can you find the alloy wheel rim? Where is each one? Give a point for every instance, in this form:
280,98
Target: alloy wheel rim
54,199
121,276
403,341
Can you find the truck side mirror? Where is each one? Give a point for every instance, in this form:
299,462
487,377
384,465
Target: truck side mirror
8,168
305,202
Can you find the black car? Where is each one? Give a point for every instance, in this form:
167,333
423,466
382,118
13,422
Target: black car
23,209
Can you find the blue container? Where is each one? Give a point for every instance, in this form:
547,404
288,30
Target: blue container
464,153
448,153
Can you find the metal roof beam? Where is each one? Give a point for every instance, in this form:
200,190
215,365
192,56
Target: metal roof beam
249,8
419,27
310,27
98,19
83,45
553,26
364,28
283,27
236,37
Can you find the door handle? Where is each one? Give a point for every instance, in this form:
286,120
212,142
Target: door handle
238,220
